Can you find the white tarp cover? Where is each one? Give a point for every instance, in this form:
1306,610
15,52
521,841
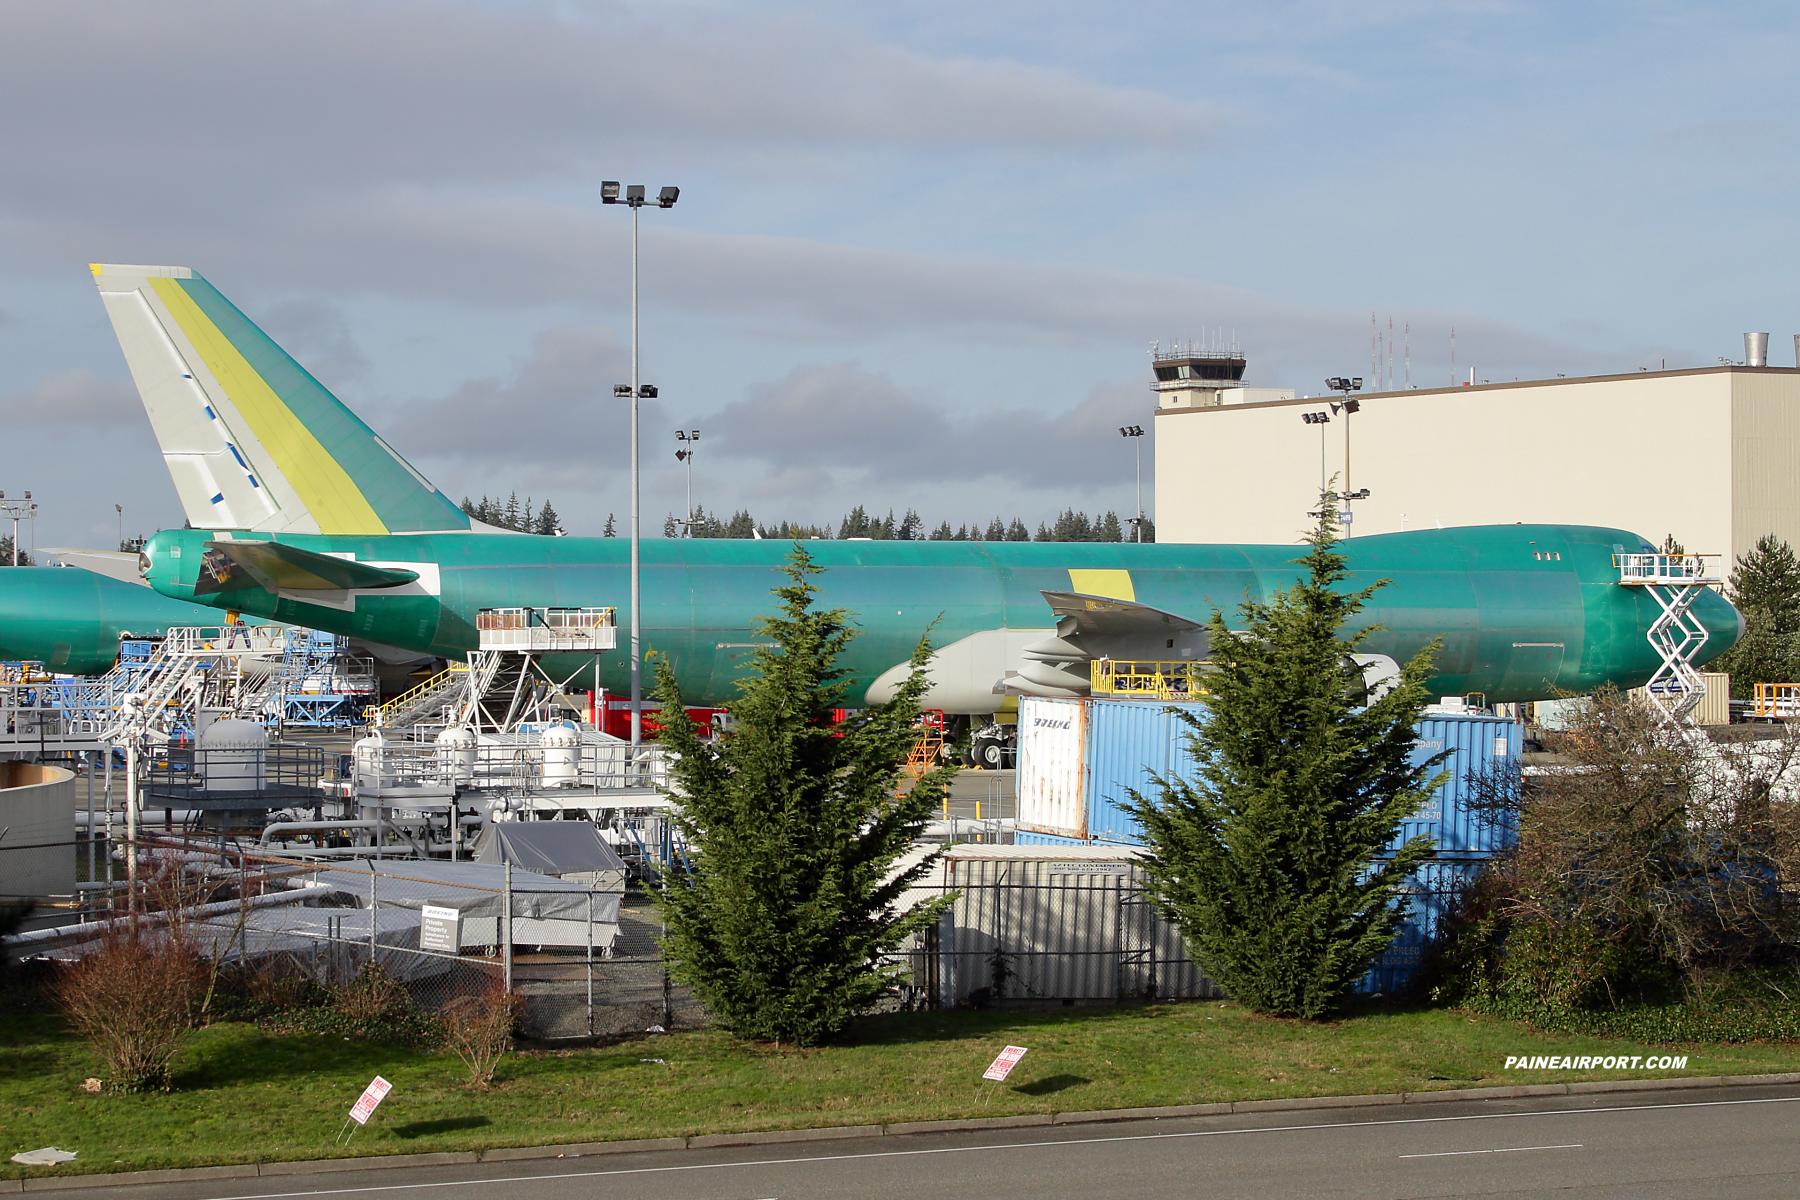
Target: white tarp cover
569,849
475,889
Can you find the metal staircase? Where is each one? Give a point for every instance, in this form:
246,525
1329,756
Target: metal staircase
436,701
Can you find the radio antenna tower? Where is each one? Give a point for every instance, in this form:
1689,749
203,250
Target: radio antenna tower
1453,356
1408,346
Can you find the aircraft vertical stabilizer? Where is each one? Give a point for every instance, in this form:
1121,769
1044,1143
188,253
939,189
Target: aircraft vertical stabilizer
252,440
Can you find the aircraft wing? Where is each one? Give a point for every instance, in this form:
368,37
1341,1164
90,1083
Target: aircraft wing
1106,617
274,567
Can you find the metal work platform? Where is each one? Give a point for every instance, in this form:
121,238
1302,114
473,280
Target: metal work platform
548,630
1674,581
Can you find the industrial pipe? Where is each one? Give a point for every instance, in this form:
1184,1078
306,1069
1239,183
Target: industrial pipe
86,929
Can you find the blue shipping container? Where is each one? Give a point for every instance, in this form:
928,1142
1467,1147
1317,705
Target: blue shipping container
1129,742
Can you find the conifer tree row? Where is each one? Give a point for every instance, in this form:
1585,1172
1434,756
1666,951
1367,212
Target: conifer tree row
859,522
510,514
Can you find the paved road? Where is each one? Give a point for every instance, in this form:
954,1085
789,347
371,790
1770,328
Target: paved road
1729,1142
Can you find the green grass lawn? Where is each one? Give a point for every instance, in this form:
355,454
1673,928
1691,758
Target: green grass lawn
241,1095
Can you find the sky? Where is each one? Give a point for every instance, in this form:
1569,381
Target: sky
922,250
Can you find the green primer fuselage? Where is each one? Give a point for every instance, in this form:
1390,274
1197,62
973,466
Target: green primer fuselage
70,619
1523,611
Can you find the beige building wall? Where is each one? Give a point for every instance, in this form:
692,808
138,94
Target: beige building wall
1711,456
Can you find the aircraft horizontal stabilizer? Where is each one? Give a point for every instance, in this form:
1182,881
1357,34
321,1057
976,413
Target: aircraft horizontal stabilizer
1104,616
274,567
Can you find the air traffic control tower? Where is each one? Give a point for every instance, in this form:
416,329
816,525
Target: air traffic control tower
1190,378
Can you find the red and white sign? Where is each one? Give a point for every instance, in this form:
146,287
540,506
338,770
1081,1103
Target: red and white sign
373,1095
1002,1067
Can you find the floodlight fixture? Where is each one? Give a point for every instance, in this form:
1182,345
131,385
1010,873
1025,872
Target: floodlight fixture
647,391
1316,418
667,197
622,390
1136,432
609,192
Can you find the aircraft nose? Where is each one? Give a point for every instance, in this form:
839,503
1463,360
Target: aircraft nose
1723,623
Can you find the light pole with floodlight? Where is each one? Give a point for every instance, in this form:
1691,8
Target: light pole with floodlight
18,510
1346,385
634,198
686,455
1136,434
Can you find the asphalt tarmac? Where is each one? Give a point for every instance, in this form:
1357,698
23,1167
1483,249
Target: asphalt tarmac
1713,1143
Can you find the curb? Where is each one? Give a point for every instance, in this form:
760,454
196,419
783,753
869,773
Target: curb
320,1166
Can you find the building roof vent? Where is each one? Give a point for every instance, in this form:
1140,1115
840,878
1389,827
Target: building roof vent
1756,349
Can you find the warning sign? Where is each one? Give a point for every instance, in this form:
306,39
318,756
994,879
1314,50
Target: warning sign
1003,1065
372,1095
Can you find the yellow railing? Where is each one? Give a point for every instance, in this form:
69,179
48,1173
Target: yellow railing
1146,680
407,697
1777,700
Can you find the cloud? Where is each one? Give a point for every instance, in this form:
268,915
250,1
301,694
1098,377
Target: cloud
286,98
318,337
75,398
555,407
841,418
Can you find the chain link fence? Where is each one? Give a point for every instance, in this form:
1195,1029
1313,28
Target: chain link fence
420,933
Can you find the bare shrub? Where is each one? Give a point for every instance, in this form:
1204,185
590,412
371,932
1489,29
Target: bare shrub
1648,858
372,996
134,998
478,1029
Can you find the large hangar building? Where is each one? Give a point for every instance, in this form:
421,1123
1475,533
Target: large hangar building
1710,456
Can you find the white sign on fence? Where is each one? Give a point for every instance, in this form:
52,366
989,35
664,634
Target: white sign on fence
372,1095
440,929
1003,1065
1090,868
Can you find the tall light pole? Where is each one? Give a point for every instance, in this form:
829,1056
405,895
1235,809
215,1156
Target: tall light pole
18,510
120,509
634,198
1346,385
686,454
1136,434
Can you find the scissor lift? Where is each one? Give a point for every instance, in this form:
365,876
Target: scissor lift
1675,581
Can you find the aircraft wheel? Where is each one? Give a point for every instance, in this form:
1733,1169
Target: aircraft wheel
989,753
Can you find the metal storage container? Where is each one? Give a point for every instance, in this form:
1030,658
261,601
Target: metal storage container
1080,760
1476,745
1429,892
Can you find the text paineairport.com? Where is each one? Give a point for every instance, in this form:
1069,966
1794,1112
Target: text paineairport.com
1592,1062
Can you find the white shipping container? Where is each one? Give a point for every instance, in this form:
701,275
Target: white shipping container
1052,779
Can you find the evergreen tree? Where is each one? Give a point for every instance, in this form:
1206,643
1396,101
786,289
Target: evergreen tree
510,517
611,530
1268,861
911,528
793,828
1149,528
1109,529
996,531
467,506
1765,587
6,552
547,524
671,529
1016,532
943,533
855,524
742,525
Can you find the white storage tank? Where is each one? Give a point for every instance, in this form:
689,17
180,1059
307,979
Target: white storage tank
232,754
456,753
561,745
372,768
